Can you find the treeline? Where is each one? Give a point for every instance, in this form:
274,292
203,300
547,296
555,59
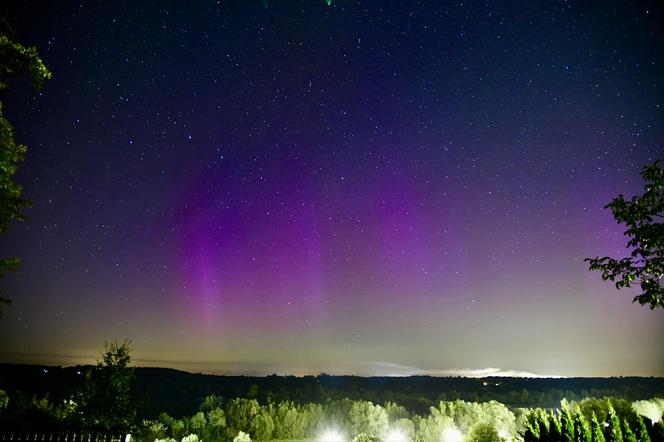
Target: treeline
589,420
112,397
179,393
346,420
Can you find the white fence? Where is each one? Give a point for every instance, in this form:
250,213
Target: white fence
61,437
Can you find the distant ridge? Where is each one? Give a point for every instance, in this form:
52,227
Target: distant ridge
180,393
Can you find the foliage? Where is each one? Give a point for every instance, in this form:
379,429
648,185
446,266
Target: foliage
107,403
466,414
591,420
364,437
240,413
433,425
641,430
598,430
600,407
18,58
4,399
177,428
190,438
338,412
216,424
14,58
406,426
642,216
210,403
58,411
615,432
567,421
368,418
628,434
395,411
483,432
247,415
314,418
651,409
262,426
154,430
289,420
198,423
582,426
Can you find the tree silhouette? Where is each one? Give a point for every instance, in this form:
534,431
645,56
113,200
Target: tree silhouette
107,401
643,216
14,58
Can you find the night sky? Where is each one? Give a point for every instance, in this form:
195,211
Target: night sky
368,187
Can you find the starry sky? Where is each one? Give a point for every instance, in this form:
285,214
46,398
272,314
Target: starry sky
374,188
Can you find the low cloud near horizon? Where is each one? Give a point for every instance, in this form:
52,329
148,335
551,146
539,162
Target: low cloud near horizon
231,368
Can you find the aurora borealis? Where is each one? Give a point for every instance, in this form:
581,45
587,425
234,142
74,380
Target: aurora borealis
366,187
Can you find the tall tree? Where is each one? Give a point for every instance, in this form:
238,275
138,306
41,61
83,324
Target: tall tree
14,59
107,401
643,216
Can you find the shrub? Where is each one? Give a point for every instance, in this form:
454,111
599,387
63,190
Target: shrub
177,428
483,432
154,430
198,423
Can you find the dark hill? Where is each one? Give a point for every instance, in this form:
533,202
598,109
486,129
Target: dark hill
180,393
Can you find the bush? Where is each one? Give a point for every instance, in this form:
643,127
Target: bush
154,430
483,432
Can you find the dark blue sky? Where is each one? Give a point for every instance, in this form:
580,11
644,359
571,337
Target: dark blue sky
366,187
